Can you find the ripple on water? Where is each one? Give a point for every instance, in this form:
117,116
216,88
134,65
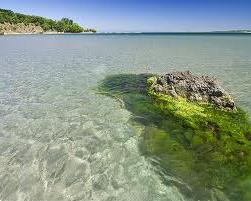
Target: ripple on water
61,141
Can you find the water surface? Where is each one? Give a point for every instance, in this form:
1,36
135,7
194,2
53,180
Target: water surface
61,140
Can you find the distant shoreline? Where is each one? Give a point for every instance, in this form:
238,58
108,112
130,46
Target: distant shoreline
209,32
12,23
44,33
130,33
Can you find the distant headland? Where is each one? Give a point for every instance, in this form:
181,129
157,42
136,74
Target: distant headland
17,23
234,31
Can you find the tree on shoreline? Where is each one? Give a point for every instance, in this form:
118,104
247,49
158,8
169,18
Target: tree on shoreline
64,25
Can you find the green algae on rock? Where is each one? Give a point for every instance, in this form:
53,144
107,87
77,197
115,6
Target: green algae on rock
203,144
217,124
213,132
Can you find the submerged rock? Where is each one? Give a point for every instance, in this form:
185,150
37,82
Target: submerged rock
208,148
193,87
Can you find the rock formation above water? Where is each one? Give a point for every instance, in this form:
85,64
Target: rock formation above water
8,28
193,87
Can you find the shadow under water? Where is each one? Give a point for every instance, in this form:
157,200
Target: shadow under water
166,142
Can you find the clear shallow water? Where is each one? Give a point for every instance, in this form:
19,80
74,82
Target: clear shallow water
60,140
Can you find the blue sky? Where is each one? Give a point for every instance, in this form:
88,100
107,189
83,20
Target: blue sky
143,15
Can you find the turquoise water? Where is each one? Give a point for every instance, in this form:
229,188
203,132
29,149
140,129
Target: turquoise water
61,140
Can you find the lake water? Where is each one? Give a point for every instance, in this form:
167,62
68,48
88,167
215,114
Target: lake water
61,140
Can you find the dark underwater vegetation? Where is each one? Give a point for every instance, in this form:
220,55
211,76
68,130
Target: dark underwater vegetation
206,148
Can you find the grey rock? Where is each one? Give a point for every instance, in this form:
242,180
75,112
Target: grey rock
194,88
158,88
173,93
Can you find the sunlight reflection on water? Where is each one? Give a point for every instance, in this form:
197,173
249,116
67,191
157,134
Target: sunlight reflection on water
60,140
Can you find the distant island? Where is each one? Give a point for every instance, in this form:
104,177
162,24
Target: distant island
17,23
234,31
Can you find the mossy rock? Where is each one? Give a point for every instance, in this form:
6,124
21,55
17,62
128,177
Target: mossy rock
227,130
208,149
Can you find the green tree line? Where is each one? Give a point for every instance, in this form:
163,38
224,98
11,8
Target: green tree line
63,25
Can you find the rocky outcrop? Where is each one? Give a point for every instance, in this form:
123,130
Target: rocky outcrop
8,28
193,88
209,148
